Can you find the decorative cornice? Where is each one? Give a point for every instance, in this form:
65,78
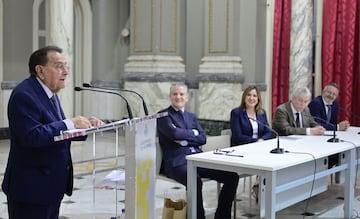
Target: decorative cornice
4,133
261,86
154,63
221,64
9,85
108,84
220,77
154,77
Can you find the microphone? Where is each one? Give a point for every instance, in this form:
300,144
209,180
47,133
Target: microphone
276,150
108,92
333,139
131,91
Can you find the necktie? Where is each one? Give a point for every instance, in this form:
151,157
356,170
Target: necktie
56,104
182,113
328,115
297,120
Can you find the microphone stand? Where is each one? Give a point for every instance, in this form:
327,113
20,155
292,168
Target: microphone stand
131,91
276,150
334,139
109,92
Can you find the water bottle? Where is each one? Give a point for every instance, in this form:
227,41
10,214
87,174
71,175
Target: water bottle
122,215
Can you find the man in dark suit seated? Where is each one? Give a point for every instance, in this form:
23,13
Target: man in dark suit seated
294,118
325,109
180,134
39,171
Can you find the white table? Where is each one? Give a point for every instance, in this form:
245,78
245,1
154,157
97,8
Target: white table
289,177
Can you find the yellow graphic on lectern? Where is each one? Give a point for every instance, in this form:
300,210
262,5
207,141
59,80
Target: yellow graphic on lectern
143,188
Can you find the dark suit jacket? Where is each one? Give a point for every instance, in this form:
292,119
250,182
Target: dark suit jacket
241,128
38,170
317,110
173,128
284,121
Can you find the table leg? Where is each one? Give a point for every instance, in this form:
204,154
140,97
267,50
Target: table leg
349,183
191,189
270,196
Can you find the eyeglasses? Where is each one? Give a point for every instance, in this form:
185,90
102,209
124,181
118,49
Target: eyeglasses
61,67
226,152
302,100
330,93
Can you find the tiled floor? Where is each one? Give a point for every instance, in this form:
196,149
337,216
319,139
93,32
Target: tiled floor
95,198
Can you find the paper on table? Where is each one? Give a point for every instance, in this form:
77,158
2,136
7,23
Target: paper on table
329,133
72,131
116,176
291,137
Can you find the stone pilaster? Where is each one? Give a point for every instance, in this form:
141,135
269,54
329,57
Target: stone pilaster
301,44
216,97
155,37
218,42
156,49
154,64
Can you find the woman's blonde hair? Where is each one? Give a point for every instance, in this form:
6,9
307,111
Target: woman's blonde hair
258,107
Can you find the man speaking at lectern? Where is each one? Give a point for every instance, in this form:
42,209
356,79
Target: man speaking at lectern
180,134
39,171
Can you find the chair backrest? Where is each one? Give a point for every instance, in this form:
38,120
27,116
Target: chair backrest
219,141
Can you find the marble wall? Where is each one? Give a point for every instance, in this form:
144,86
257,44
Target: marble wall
301,49
216,100
213,101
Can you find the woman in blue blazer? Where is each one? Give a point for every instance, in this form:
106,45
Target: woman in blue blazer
248,122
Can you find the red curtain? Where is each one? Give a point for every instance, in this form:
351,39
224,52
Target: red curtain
341,54
281,53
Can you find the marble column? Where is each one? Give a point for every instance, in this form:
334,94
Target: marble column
60,33
221,66
301,44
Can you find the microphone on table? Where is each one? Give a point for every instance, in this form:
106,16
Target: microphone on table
108,92
334,138
88,85
276,150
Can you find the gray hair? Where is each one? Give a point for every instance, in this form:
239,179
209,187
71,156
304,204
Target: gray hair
178,84
301,91
332,84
